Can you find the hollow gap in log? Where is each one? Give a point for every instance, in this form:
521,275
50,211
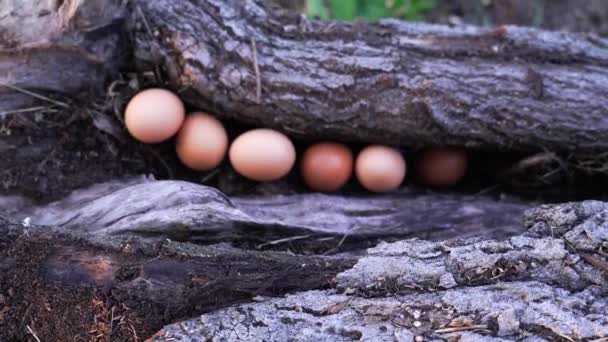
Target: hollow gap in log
535,175
44,153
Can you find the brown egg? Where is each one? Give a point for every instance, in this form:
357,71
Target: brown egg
154,115
202,142
380,168
262,154
326,166
442,166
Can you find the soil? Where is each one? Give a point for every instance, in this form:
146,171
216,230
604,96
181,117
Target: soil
45,155
31,305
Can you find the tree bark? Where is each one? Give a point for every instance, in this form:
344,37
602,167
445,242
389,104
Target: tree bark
170,209
396,83
548,284
158,282
163,248
60,48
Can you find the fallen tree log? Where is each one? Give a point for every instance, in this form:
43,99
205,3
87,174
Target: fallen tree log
150,284
67,48
395,83
170,209
561,259
547,284
155,252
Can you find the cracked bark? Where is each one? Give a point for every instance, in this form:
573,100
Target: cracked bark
492,89
395,83
475,287
431,84
535,286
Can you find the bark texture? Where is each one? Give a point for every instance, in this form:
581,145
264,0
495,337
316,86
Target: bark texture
160,282
172,249
397,83
165,209
547,284
64,48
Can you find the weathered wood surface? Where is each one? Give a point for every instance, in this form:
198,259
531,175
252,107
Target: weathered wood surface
66,48
548,284
161,281
166,209
396,83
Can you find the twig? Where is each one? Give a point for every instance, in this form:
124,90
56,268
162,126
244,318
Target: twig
456,329
163,162
145,20
29,330
340,243
23,110
111,325
336,308
134,332
279,241
35,95
565,337
601,339
256,69
210,175
595,261
27,313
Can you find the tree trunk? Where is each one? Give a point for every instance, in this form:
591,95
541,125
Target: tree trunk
396,83
512,287
121,257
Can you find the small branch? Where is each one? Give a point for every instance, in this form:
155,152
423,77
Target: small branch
456,329
280,241
23,110
256,68
31,332
35,95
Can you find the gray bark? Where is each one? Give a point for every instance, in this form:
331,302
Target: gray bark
59,48
548,284
164,209
545,283
396,83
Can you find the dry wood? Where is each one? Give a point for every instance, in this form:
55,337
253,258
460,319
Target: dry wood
144,207
397,83
534,284
163,247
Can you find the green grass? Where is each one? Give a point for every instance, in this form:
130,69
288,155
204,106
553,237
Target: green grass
369,10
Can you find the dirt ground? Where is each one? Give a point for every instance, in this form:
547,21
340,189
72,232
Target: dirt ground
32,305
46,155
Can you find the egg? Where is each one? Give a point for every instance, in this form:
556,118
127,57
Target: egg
380,168
262,154
442,166
326,166
154,115
201,142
